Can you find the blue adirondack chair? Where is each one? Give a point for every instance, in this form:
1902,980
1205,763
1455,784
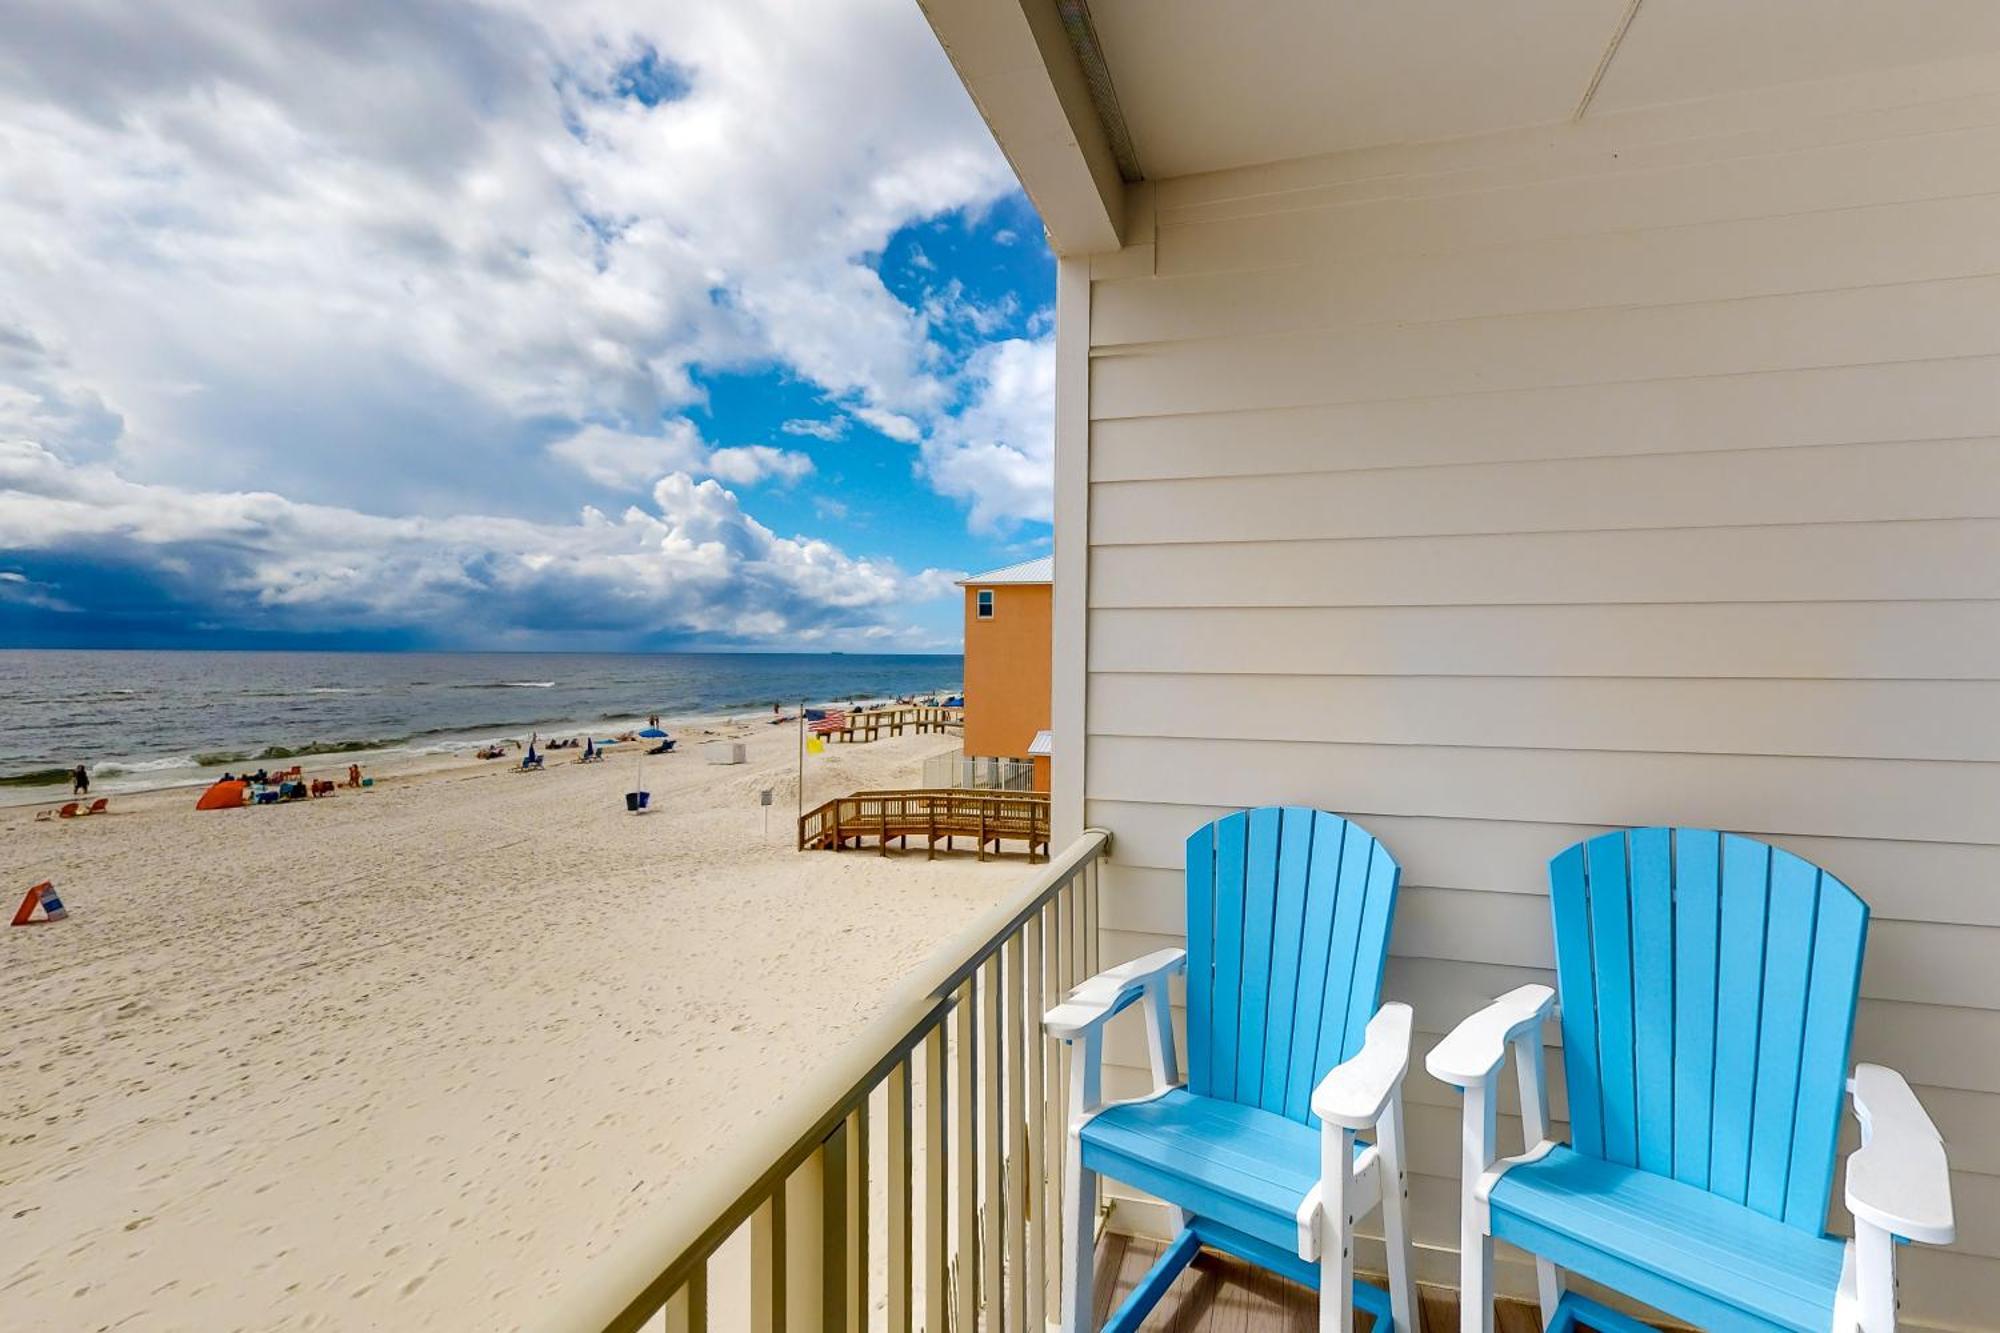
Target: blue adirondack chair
1288,1058
1708,985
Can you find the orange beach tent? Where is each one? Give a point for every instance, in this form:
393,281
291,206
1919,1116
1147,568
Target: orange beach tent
224,796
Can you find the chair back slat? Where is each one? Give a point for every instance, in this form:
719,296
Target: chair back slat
1839,937
1316,967
1254,1002
1289,912
1781,1026
1611,939
1739,979
1287,937
1232,855
1371,954
1708,986
1201,951
1697,899
1569,900
1653,1000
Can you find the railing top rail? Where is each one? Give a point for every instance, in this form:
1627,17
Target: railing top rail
628,1285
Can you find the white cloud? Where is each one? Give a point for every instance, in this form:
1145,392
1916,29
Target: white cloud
829,430
892,424
628,461
691,562
746,465
273,282
431,228
623,459
997,455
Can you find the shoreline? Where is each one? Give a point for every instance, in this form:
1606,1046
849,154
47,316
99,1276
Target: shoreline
452,750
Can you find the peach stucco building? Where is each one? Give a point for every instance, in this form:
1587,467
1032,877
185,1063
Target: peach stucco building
1007,661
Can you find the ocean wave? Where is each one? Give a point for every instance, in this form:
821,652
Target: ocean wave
325,747
150,765
36,777
506,685
332,689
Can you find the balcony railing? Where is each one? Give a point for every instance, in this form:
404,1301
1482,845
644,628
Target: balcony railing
967,1175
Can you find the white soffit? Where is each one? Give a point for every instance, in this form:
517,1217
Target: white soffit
1678,50
1206,86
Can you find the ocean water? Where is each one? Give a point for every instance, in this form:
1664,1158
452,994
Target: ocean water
149,719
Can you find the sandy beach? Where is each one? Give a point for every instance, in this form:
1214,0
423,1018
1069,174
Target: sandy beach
408,1058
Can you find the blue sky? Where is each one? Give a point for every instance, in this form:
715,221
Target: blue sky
494,324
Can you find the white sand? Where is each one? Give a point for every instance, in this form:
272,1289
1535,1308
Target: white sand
408,1058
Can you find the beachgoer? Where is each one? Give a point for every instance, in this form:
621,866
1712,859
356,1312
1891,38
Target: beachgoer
354,775
79,781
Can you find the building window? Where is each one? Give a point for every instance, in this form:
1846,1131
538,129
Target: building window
986,603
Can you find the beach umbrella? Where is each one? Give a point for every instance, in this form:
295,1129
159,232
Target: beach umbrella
653,734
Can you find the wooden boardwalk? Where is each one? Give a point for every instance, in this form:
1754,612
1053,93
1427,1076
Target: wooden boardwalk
875,723
987,818
1219,1293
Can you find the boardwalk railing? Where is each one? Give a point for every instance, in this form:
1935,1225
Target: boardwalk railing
873,723
989,818
952,1206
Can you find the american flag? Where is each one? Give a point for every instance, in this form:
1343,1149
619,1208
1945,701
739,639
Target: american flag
835,720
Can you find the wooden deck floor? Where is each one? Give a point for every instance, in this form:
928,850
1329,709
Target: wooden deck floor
1222,1295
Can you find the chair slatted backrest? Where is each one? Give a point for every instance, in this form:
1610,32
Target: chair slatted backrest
1288,929
1708,984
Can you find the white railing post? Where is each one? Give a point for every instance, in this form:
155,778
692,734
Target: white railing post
965,1173
898,1191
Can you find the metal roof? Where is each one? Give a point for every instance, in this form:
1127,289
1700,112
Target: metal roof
1041,570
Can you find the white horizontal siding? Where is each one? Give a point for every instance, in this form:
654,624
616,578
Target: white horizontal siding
1500,491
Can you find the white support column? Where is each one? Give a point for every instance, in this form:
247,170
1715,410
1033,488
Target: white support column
1072,549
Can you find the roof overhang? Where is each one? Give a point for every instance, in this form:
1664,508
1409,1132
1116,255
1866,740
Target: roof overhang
1087,96
1016,59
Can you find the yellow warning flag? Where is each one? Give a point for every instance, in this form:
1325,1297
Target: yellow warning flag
815,746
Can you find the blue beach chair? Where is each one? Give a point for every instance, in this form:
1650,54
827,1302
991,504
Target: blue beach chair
1708,984
1289,1058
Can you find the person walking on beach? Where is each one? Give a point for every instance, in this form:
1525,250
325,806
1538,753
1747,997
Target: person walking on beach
80,781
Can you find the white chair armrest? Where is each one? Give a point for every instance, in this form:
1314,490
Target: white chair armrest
1356,1092
1476,1048
1898,1179
1110,992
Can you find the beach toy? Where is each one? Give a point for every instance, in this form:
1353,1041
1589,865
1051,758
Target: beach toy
43,895
637,801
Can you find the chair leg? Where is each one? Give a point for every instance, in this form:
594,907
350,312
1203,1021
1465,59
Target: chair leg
1395,1218
1549,1287
1875,1278
1475,1285
1475,1246
1336,1241
1079,1279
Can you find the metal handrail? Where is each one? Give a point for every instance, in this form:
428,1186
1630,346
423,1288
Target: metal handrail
633,1282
